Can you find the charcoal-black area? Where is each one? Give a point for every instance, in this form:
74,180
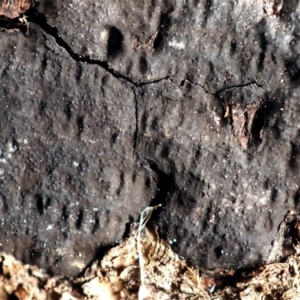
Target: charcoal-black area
110,106
69,181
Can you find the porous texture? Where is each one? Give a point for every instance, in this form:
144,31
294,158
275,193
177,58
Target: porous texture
68,177
109,106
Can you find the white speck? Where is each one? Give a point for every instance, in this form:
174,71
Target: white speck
10,148
170,242
103,35
25,141
212,289
49,227
95,209
24,221
75,164
263,200
3,160
216,118
177,45
174,240
92,221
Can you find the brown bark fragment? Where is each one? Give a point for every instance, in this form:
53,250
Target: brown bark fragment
242,121
13,8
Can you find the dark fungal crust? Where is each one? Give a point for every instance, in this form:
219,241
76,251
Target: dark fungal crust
109,107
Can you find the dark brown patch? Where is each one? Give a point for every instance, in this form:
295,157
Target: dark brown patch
145,46
242,121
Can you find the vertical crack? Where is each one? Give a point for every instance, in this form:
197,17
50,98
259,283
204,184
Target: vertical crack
135,135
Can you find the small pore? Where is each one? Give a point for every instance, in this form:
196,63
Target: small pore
115,42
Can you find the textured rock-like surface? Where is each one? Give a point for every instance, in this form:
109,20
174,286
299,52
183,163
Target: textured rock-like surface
68,179
222,202
194,103
212,43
